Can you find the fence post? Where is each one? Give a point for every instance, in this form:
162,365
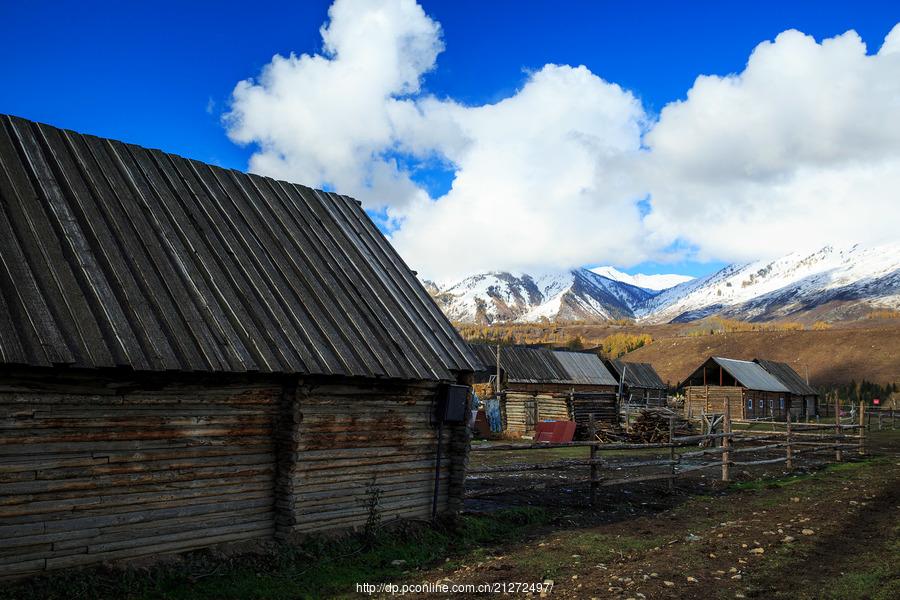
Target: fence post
863,425
879,419
594,466
672,452
838,455
726,443
790,451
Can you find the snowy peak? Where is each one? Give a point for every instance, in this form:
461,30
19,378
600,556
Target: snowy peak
829,283
648,282
576,295
848,279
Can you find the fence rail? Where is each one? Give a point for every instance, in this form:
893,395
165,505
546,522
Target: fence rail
739,446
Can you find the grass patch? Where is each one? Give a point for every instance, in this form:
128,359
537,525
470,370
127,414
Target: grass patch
319,567
848,468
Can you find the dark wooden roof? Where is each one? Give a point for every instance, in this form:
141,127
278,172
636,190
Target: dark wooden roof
526,364
639,375
784,373
113,255
584,368
523,364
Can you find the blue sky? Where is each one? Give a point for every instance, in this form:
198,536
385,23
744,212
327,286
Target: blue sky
160,74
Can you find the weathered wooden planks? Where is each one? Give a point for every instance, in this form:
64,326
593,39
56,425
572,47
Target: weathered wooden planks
350,446
95,469
87,477
711,399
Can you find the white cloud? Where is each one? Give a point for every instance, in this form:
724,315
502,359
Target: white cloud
538,179
324,119
801,148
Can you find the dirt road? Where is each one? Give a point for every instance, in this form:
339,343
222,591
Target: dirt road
834,533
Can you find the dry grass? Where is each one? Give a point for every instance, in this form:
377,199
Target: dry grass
834,353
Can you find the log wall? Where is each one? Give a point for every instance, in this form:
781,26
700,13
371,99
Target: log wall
353,446
98,470
103,474
766,405
602,407
711,399
521,410
553,408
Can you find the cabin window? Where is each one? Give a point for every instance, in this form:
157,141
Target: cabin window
781,403
750,404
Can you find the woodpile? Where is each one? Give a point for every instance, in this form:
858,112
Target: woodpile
651,425
648,426
610,434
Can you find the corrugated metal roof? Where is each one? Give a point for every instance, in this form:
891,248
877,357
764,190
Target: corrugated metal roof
750,375
788,377
584,369
641,375
113,255
523,364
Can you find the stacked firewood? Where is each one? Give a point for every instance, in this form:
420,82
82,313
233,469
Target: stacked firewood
611,434
651,425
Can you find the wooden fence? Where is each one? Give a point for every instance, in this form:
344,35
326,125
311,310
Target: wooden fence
737,445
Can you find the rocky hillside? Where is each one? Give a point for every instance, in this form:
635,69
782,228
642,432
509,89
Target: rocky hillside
830,284
577,295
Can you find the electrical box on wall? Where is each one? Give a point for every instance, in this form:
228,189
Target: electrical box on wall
452,403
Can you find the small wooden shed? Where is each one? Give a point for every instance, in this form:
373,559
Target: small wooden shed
530,386
539,384
593,395
751,391
640,383
804,397
192,355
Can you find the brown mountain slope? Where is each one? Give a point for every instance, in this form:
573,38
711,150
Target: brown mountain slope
865,350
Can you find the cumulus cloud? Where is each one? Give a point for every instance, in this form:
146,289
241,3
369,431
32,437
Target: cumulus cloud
801,148
538,179
324,119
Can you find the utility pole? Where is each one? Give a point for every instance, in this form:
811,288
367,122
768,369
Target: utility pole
497,383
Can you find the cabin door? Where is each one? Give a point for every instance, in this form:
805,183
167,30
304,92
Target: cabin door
530,414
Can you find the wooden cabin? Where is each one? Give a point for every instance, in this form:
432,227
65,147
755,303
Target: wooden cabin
751,391
191,355
640,383
539,384
593,395
804,398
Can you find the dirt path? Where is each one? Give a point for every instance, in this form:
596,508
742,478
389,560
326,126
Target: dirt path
830,534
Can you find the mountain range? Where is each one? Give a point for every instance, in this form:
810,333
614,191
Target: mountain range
830,283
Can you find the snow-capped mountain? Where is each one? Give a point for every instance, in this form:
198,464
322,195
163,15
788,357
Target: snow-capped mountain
830,279
648,282
576,295
831,282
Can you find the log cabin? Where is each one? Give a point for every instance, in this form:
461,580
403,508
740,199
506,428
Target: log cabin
640,383
751,391
539,384
192,355
593,395
804,397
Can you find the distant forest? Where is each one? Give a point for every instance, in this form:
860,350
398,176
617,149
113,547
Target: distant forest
865,391
610,346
